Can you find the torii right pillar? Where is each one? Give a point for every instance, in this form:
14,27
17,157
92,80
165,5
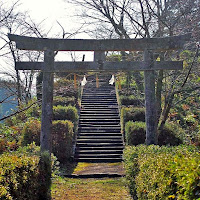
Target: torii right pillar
150,100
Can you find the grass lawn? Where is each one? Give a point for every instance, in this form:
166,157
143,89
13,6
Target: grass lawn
89,189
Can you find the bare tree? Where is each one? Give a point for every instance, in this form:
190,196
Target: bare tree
147,18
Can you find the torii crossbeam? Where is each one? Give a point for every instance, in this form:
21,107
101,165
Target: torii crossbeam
49,46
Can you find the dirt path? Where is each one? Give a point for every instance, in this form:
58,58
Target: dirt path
90,189
99,169
80,188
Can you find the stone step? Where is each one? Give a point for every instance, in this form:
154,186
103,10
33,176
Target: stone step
95,117
102,126
98,160
100,151
114,155
101,148
100,110
97,134
99,116
99,107
95,137
99,102
99,94
98,130
98,97
89,120
100,89
98,124
99,144
96,140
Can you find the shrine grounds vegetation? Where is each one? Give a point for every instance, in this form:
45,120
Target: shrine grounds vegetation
167,171
155,172
64,101
24,172
136,134
65,112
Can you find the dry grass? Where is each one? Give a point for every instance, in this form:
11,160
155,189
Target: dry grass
89,189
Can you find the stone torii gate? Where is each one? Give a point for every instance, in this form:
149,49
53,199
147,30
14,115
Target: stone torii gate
48,67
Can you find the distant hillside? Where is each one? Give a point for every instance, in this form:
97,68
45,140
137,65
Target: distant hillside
9,104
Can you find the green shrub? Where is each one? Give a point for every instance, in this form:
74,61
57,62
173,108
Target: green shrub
65,113
31,132
171,135
155,172
135,132
10,138
62,134
131,100
132,114
64,101
25,174
19,176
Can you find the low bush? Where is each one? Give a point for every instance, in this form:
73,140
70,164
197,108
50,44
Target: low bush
9,138
65,113
132,114
31,132
136,134
19,176
155,172
172,135
131,100
64,101
62,135
25,174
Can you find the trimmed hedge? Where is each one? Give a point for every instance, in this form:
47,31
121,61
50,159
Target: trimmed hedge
65,113
131,100
26,174
64,101
172,135
132,114
136,134
31,132
155,172
62,136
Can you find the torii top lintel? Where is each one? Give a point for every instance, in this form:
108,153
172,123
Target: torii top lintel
42,44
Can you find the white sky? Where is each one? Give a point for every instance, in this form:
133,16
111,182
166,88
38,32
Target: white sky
53,11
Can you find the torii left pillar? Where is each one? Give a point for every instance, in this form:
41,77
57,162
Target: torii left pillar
47,101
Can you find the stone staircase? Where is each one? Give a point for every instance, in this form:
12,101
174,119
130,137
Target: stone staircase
99,135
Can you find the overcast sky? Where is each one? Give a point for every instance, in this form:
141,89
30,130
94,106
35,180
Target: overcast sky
52,11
